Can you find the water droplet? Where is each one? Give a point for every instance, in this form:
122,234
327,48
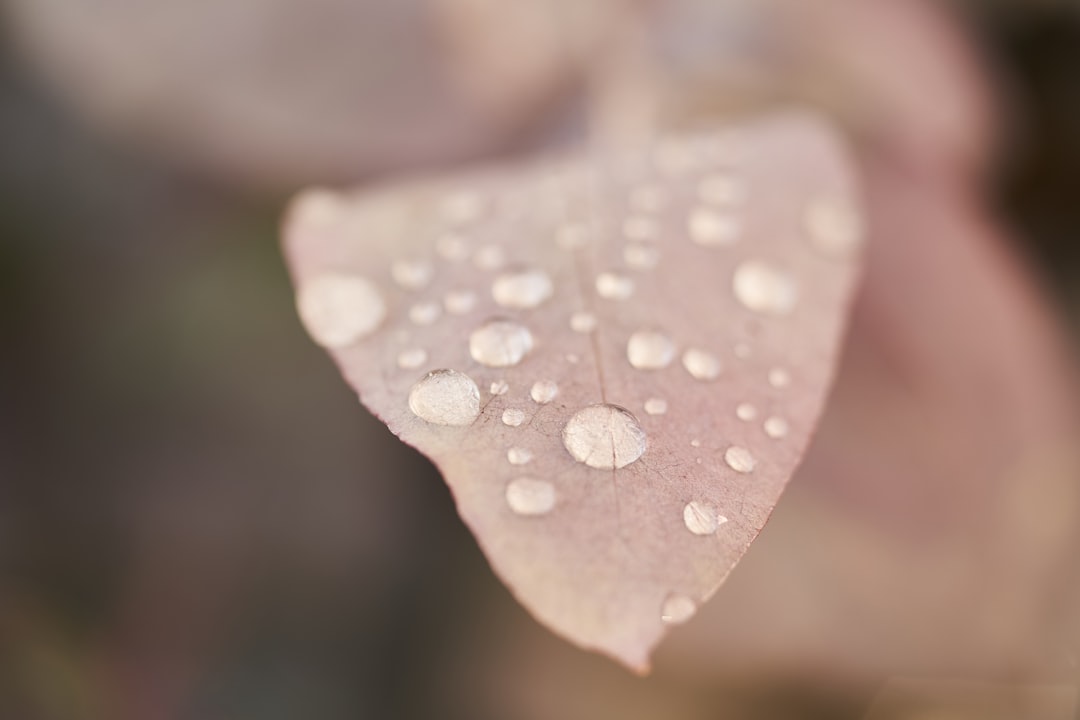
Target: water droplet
571,236
650,350
513,417
522,289
673,157
640,228
677,609
412,359
834,228
459,302
500,343
445,397
339,310
544,391
452,247
319,207
779,378
614,287
641,256
573,358
696,442
412,274
742,351
746,412
765,289
499,387
712,229
739,459
722,190
648,198
701,518
462,207
701,364
519,456
425,313
527,496
583,322
656,406
776,427
605,437
490,257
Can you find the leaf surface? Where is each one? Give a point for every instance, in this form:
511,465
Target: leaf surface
616,359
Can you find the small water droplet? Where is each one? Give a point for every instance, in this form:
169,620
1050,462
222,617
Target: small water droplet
452,247
779,378
513,417
573,358
648,198
701,364
641,256
763,288
445,397
490,257
462,206
519,456
834,228
739,459
677,609
722,190
412,274
640,228
572,236
712,229
583,322
412,359
604,436
656,406
499,387
650,350
544,391
742,351
695,443
614,287
522,289
500,343
776,427
528,496
425,313
673,157
701,518
459,302
339,310
745,412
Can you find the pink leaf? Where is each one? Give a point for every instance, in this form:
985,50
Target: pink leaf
616,360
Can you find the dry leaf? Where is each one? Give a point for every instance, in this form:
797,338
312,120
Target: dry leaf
616,362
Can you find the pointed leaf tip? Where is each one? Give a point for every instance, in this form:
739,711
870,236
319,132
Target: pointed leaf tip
615,360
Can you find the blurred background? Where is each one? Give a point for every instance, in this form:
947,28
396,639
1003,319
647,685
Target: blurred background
198,520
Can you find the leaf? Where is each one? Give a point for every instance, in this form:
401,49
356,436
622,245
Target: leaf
615,359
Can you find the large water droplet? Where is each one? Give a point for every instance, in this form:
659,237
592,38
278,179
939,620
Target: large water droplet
522,289
656,406
513,417
650,350
763,288
604,436
614,287
412,359
701,364
835,229
712,229
583,322
701,518
776,427
641,256
412,274
339,310
544,391
519,456
500,343
677,609
739,459
445,397
528,496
